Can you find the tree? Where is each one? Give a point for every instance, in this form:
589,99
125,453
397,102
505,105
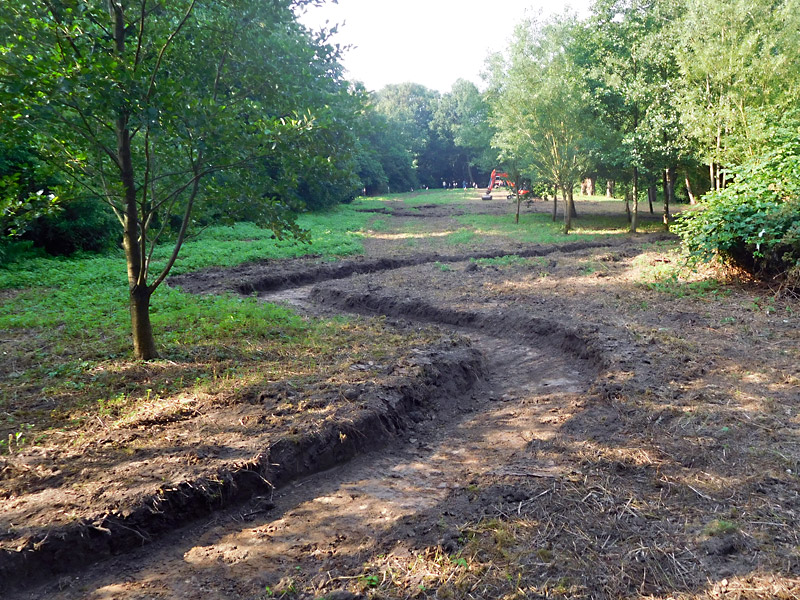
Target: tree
541,107
738,66
754,222
409,107
464,114
160,107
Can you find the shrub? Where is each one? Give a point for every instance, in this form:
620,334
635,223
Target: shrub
754,223
83,224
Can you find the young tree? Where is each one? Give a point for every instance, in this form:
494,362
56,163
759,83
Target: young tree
738,64
157,107
541,107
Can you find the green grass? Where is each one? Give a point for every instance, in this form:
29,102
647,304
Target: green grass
67,357
503,261
86,297
66,320
417,198
539,228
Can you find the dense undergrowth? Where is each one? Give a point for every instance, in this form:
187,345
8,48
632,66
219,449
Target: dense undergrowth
753,223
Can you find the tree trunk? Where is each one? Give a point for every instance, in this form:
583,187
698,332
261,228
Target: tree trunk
609,188
635,194
669,193
692,199
555,203
592,186
567,210
144,345
719,154
133,240
628,206
585,187
572,212
651,197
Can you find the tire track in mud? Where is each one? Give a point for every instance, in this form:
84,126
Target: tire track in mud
322,529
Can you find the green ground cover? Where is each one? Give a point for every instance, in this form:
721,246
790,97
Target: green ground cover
539,228
65,326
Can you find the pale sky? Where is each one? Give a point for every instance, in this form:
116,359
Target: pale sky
432,42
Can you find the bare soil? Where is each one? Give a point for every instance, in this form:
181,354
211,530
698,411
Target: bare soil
573,429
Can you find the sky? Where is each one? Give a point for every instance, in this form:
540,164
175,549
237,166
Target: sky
431,42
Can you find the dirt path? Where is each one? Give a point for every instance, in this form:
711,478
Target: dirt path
324,527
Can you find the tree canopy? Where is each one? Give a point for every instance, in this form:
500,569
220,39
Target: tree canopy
170,111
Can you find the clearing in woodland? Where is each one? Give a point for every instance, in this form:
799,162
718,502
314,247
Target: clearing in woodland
449,406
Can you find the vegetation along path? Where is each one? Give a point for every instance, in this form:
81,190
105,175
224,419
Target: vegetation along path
590,426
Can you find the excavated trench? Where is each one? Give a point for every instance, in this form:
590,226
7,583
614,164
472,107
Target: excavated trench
520,380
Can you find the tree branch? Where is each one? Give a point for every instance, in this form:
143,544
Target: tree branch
164,49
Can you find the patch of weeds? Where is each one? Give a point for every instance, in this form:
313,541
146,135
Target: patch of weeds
673,284
112,407
767,305
379,225
501,261
462,236
589,267
459,561
369,581
16,440
720,527
443,266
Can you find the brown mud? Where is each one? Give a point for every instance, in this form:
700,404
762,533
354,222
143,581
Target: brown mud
594,437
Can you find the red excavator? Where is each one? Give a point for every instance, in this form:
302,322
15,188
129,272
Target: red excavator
502,179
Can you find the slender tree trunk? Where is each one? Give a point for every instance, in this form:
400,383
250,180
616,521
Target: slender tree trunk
555,203
651,197
609,188
592,186
144,345
692,199
669,194
567,211
571,201
718,182
635,194
628,206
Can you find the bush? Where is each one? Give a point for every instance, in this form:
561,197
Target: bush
754,223
84,224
